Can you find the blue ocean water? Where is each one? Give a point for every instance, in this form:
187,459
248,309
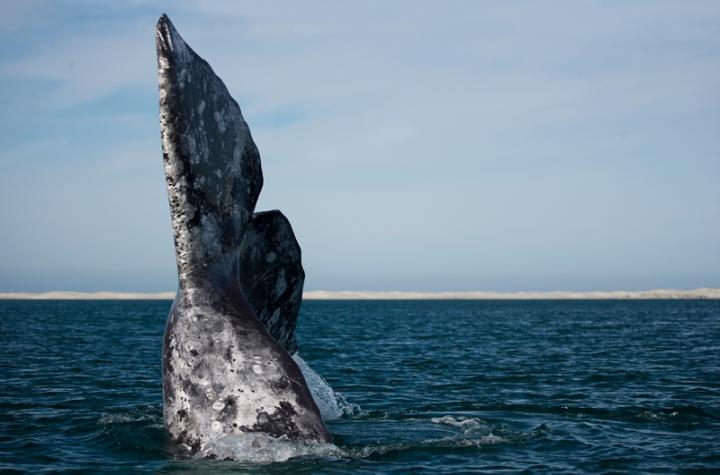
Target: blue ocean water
457,386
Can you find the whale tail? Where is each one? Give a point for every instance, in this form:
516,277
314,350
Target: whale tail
214,176
227,368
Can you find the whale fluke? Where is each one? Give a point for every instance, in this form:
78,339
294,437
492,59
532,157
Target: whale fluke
227,369
212,165
214,177
273,276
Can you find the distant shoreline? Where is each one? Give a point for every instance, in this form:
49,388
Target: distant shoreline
656,294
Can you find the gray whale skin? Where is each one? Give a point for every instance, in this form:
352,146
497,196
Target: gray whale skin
227,369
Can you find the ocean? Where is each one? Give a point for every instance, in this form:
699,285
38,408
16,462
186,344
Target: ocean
429,386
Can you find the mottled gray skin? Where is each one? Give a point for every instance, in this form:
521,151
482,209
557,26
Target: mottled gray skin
226,366
273,277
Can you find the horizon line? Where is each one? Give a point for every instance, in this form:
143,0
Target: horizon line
654,294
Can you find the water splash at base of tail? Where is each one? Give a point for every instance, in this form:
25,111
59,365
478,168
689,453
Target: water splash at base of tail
258,448
332,404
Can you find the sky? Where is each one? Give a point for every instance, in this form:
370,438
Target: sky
427,146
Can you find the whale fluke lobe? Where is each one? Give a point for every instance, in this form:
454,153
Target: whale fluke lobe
212,165
227,368
273,278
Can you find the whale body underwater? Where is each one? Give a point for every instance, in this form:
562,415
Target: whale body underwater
230,334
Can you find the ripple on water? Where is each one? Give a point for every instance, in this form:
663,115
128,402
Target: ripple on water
444,387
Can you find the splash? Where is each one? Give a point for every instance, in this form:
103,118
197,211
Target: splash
258,448
332,405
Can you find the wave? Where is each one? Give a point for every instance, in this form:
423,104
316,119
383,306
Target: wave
467,424
140,429
263,449
151,416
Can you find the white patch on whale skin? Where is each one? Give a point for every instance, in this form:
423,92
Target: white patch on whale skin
281,283
188,148
274,318
220,119
219,380
212,386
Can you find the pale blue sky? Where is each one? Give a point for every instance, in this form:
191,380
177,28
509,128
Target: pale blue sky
413,145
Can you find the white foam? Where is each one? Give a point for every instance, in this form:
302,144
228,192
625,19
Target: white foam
332,405
262,448
467,424
491,439
258,448
147,417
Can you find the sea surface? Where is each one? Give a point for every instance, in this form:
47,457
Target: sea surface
431,386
